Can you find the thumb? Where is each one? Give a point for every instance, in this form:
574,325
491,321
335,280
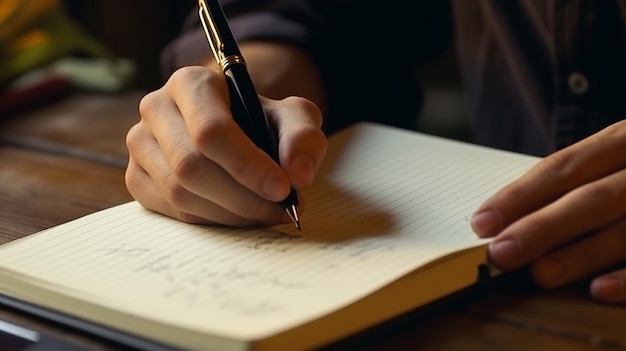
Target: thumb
301,142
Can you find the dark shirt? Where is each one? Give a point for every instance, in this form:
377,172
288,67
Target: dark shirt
539,74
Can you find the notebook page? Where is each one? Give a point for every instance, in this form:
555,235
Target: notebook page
386,202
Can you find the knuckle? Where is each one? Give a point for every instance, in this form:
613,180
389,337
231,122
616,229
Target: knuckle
298,101
187,73
134,137
306,105
131,176
149,103
210,131
186,166
559,166
176,194
598,200
597,194
190,76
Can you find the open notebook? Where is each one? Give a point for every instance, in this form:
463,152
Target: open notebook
385,231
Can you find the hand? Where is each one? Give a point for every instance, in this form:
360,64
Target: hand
189,159
566,217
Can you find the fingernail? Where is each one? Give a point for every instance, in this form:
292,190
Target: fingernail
607,288
549,272
505,254
485,223
275,188
303,168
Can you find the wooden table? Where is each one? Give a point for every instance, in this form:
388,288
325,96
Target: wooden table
68,160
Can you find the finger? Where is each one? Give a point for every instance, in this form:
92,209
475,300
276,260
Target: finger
581,163
193,209
145,192
610,288
204,189
581,259
302,144
141,186
586,209
201,95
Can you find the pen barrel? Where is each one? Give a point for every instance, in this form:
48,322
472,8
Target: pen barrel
249,115
227,42
248,112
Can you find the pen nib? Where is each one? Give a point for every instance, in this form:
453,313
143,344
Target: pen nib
292,211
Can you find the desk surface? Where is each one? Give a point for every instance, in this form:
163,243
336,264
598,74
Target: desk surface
68,160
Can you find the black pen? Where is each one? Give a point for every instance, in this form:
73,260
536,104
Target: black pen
245,103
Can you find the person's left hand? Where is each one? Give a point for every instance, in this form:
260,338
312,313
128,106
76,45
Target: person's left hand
566,217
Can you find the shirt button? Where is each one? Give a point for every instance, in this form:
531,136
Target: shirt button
578,83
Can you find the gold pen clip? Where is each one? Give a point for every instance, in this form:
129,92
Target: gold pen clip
213,36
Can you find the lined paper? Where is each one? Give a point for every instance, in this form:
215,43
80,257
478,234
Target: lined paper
386,201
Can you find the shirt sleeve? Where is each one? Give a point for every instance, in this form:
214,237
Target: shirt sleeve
367,51
299,23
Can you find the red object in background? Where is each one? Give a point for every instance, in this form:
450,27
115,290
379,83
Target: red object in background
17,100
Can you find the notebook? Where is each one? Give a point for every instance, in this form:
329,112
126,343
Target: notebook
386,231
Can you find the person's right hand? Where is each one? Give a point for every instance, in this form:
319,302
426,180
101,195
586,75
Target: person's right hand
189,159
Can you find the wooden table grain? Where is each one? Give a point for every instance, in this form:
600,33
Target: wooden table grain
68,160
64,161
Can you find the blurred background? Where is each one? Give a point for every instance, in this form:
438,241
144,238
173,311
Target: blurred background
50,47
107,40
134,29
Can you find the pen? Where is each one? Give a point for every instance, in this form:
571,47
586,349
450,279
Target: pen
245,103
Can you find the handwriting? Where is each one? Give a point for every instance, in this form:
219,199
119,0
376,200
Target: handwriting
201,279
